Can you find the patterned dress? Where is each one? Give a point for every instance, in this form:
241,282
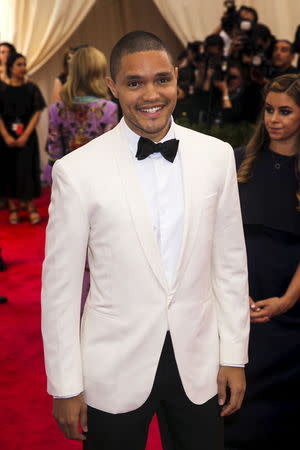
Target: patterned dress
71,128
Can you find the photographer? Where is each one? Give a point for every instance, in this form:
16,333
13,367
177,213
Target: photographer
233,24
249,14
198,100
191,74
282,59
187,66
241,98
207,96
257,52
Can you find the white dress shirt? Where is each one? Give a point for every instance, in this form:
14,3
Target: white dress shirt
161,182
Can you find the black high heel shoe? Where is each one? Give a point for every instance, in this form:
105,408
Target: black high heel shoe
2,263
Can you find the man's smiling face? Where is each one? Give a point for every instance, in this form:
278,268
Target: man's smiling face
146,86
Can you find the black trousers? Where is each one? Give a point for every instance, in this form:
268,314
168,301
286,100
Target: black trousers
191,426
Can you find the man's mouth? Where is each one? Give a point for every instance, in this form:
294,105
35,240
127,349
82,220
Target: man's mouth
151,110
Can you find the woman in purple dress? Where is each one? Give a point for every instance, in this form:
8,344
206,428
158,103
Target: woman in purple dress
85,111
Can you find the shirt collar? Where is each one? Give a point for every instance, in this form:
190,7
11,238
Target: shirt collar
133,138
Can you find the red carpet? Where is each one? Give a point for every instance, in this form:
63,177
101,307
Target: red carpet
26,421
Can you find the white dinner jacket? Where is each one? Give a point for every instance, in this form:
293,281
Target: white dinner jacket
97,204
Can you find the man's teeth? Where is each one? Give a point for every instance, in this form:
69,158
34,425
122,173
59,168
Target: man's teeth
151,110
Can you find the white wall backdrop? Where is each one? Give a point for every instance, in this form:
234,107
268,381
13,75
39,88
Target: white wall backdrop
195,19
39,28
282,16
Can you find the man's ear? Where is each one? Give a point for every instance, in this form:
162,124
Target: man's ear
112,86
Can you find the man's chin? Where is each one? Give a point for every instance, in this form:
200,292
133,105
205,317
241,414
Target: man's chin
155,128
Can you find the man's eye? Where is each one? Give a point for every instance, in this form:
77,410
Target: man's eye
163,80
133,83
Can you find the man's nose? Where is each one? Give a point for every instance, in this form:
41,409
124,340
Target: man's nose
150,92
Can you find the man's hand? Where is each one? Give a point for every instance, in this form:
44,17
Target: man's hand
69,413
234,379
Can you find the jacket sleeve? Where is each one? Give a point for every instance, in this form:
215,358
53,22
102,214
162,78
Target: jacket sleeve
63,268
229,272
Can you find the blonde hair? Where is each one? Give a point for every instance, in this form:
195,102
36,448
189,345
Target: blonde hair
86,76
290,85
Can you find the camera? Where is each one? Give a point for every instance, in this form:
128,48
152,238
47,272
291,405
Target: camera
260,67
220,65
230,5
231,17
232,23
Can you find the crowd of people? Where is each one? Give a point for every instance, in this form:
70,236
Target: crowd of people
221,79
241,72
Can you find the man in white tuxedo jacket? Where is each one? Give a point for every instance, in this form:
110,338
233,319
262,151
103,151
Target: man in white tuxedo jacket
166,320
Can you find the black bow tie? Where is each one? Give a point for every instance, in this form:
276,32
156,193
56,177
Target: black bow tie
146,147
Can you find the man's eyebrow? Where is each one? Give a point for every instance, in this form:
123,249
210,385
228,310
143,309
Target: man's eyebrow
164,74
133,77
140,77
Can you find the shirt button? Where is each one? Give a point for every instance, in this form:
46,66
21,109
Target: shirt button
169,300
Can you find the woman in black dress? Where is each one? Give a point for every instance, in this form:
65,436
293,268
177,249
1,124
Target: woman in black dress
269,185
21,103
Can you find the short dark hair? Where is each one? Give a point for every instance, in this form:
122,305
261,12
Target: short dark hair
11,59
287,42
251,11
214,40
133,42
261,31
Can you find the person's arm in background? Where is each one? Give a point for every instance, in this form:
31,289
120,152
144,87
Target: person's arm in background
8,138
223,88
22,140
54,143
56,90
264,310
110,117
37,104
54,146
